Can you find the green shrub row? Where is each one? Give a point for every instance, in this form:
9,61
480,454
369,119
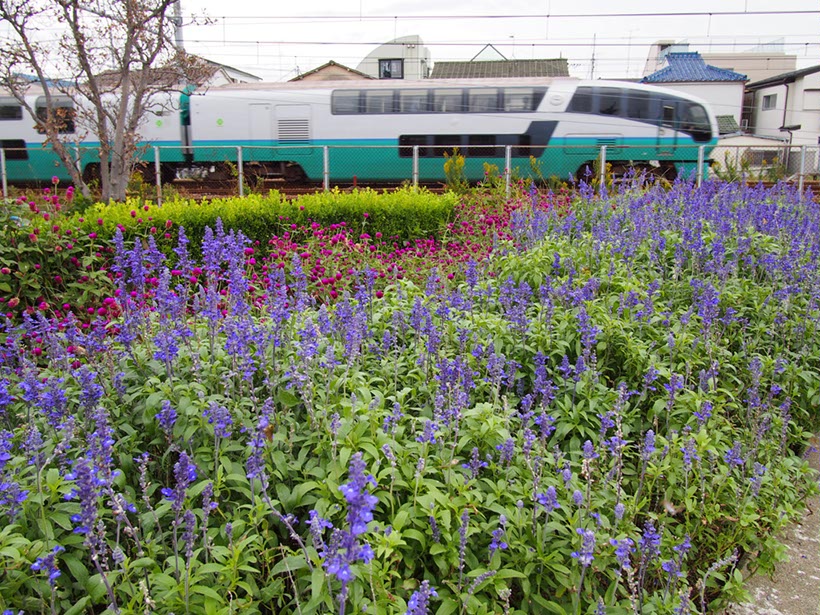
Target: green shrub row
402,215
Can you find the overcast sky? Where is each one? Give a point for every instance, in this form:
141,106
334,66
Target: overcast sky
275,39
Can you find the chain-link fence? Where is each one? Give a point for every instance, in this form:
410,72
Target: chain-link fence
237,170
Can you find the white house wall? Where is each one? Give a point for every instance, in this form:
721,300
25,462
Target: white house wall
803,109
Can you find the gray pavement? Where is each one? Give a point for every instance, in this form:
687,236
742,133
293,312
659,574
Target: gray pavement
794,589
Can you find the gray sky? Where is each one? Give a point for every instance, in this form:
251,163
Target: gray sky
273,39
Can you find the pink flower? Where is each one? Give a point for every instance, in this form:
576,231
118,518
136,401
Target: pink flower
55,180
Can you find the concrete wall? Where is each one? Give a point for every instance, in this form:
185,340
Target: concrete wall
411,49
756,66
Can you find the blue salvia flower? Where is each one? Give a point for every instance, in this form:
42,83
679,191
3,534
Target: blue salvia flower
317,527
578,497
167,417
344,547
475,464
419,603
704,413
434,526
506,451
360,503
549,499
585,554
48,565
649,542
589,451
623,551
220,418
428,436
498,535
184,474
733,457
648,445
689,451
189,525
619,511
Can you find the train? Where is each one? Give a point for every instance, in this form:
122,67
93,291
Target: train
389,130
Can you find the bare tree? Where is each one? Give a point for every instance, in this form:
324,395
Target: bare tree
116,57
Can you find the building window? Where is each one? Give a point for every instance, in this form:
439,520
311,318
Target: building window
391,69
769,102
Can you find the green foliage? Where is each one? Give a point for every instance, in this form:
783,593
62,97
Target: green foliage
402,215
562,338
454,172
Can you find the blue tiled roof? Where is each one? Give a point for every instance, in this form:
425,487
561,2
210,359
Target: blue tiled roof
689,67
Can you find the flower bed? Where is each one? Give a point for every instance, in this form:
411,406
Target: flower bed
605,415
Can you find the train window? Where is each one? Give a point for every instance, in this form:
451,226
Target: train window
10,109
639,105
482,145
695,121
413,101
449,143
447,101
344,102
484,100
62,113
524,149
522,99
609,101
378,101
581,101
15,149
406,143
668,114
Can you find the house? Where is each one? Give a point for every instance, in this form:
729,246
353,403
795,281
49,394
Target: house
761,62
723,89
787,105
403,58
332,71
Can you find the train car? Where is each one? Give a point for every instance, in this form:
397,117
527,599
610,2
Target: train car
29,160
374,129
374,126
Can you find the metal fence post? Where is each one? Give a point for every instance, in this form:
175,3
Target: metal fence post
3,172
415,166
701,156
326,167
240,168
158,174
507,170
602,177
802,169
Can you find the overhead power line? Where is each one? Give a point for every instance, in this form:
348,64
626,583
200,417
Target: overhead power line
530,16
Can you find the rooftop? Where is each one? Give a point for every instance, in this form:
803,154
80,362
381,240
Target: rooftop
500,69
689,67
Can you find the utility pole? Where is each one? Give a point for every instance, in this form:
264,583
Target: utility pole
592,67
178,25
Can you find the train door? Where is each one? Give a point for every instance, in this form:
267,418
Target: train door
260,118
667,130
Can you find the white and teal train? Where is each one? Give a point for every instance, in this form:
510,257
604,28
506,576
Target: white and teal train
376,130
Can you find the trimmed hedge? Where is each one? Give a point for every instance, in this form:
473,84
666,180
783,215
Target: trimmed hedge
403,215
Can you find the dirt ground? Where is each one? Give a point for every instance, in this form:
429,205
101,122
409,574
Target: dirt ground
795,587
